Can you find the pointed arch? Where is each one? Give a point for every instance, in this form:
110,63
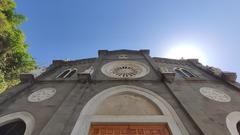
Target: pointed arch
87,115
25,117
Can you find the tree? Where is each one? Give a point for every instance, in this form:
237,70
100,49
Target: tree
14,55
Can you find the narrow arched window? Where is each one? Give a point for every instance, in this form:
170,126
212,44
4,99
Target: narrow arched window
71,73
179,72
184,72
188,73
13,128
64,73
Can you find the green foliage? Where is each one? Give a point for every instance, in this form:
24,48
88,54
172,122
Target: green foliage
14,56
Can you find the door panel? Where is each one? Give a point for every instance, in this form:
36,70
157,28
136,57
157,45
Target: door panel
160,129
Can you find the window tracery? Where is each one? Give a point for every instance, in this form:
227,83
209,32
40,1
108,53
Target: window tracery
67,73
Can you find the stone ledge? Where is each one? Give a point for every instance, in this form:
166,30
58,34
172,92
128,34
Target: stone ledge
84,77
169,76
229,76
27,77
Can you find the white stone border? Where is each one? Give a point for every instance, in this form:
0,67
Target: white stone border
215,94
231,120
87,116
42,95
25,116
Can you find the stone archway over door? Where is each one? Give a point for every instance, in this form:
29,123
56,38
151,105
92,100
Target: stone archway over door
161,112
233,122
18,120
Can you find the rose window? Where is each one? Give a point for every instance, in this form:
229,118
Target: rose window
125,69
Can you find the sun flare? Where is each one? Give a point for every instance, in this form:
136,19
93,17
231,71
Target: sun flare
186,51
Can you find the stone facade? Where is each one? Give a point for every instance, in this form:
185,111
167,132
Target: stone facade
56,103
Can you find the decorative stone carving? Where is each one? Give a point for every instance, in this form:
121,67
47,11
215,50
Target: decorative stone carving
41,95
125,69
168,74
165,70
215,94
123,56
86,74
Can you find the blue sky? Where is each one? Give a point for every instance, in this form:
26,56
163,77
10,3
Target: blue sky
74,29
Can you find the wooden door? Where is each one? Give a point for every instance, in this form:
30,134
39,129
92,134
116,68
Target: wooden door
159,129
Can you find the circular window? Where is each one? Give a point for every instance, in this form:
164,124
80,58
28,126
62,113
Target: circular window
215,94
125,69
41,95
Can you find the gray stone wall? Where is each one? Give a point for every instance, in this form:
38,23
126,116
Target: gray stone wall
59,114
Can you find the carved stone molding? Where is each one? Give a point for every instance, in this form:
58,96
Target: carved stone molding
215,94
125,69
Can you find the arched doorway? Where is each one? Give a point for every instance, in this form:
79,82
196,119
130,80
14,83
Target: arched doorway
128,109
19,123
233,122
238,127
17,127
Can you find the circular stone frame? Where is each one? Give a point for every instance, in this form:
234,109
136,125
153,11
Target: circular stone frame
125,69
215,94
42,94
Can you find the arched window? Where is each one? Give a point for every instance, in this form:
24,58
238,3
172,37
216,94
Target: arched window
63,74
67,73
71,73
188,73
13,128
184,72
179,72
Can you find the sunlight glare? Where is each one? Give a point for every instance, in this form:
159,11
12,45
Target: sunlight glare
186,51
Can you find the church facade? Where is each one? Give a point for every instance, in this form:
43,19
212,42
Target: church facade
123,92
